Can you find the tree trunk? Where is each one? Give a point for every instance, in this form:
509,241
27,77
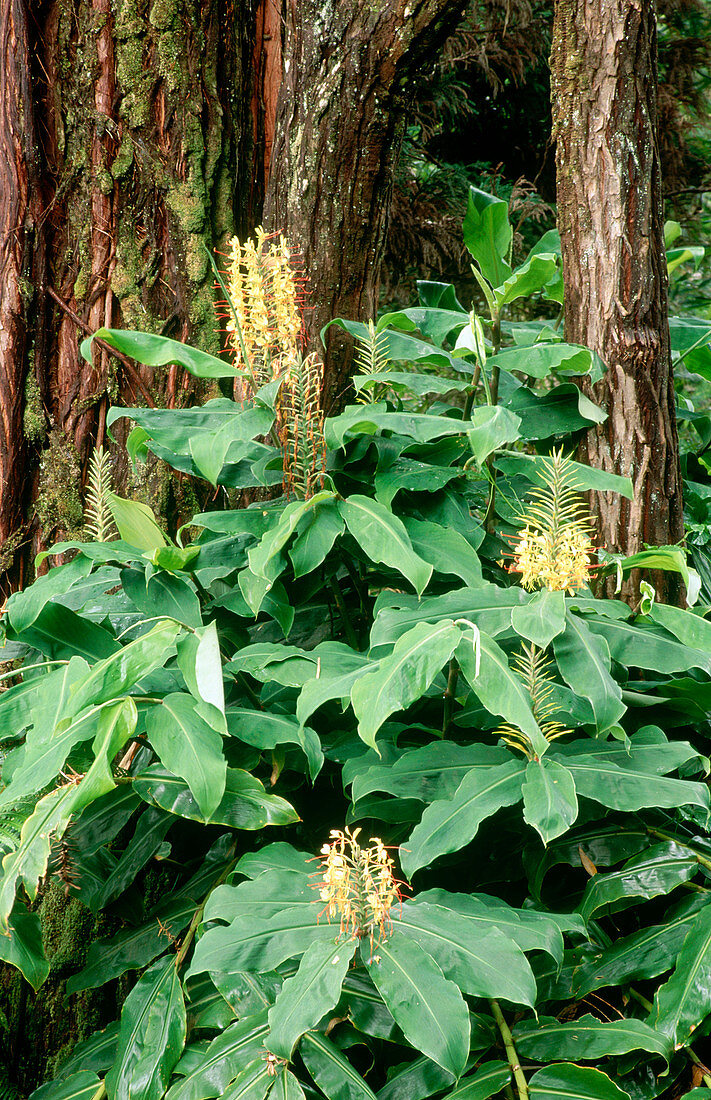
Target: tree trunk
340,117
127,140
604,81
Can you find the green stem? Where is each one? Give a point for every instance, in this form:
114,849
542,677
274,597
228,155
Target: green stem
703,860
519,1075
493,400
449,695
343,612
468,405
197,917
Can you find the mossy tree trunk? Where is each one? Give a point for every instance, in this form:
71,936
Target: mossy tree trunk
340,114
128,133
604,82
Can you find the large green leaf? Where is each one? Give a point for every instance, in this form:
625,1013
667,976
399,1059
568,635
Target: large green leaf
244,805
428,1008
251,1083
584,663
227,1054
384,539
23,607
59,633
550,803
627,786
531,276
21,945
643,954
473,953
448,824
635,645
487,671
493,426
444,548
539,360
432,772
487,234
685,999
584,477
486,1081
190,748
151,1035
331,1070
121,672
404,676
586,1039
541,619
315,538
266,730
310,994
415,1081
84,1085
487,605
657,871
162,594
136,523
159,351
566,1081
200,662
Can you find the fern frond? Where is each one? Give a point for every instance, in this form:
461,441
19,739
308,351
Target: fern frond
371,358
98,519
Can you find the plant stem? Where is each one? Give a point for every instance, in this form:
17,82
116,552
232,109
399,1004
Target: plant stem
519,1076
449,695
343,612
472,393
197,917
493,400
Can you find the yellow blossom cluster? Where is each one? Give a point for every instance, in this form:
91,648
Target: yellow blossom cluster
357,884
558,561
263,317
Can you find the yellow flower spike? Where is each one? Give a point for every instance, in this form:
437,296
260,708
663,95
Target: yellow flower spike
357,884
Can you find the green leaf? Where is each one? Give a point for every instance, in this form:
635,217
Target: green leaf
270,892
539,360
486,669
432,772
531,276
97,1053
151,1035
23,607
492,427
79,1086
685,999
286,1087
643,954
159,351
487,1081
189,748
487,605
627,786
236,1047
59,633
444,548
550,803
136,523
404,676
409,473
569,1082
541,619
201,665
487,234
417,1080
586,477
21,945
586,1039
265,730
313,991
384,539
584,663
448,824
121,672
657,871
244,805
400,347
251,1083
476,955
634,645
315,540
162,594
331,1070
429,1009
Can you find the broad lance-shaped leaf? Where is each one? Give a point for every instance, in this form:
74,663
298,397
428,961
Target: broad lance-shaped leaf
159,351
244,805
448,824
627,786
227,1054
498,688
265,895
265,730
119,674
404,676
428,1007
251,1083
487,1081
310,994
584,663
331,1070
586,1039
685,999
84,1085
22,946
550,803
28,862
151,1035
434,771
201,665
541,619
566,1081
419,1078
657,871
643,954
384,539
189,747
478,957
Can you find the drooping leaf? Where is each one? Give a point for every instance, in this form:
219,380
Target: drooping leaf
444,548
566,1081
200,662
402,677
657,871
384,539
244,805
486,1081
21,945
541,619
190,748
584,663
84,1085
417,1080
550,803
586,1039
487,234
151,1035
251,1083
627,786
685,999
432,772
159,351
313,991
236,1047
266,730
429,1008
331,1070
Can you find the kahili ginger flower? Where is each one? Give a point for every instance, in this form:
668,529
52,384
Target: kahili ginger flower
357,884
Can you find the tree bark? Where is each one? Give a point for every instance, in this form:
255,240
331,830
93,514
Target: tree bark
604,81
339,124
